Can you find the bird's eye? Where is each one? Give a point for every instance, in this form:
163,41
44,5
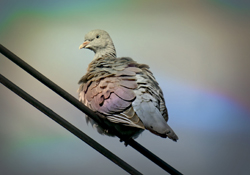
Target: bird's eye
97,36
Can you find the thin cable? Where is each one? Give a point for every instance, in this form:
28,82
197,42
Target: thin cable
84,109
64,123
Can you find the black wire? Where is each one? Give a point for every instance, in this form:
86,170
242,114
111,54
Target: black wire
64,123
84,109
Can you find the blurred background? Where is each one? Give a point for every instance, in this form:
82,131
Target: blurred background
198,51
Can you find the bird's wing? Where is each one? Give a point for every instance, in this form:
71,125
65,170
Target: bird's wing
150,106
113,96
155,90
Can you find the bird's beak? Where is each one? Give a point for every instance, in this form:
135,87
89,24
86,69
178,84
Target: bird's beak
83,45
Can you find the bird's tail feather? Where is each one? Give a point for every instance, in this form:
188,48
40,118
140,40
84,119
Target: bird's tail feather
171,134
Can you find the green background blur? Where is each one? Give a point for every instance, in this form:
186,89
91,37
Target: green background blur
199,51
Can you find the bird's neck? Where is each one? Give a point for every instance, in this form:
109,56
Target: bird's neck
108,51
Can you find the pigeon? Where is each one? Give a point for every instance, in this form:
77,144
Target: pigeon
124,93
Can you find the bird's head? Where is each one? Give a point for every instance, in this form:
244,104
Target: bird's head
100,42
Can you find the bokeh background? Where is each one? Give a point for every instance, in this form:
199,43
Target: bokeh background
199,51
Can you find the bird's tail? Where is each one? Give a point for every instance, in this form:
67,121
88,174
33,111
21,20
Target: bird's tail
171,134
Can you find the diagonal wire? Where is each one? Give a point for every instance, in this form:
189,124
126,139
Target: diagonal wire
64,123
84,109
